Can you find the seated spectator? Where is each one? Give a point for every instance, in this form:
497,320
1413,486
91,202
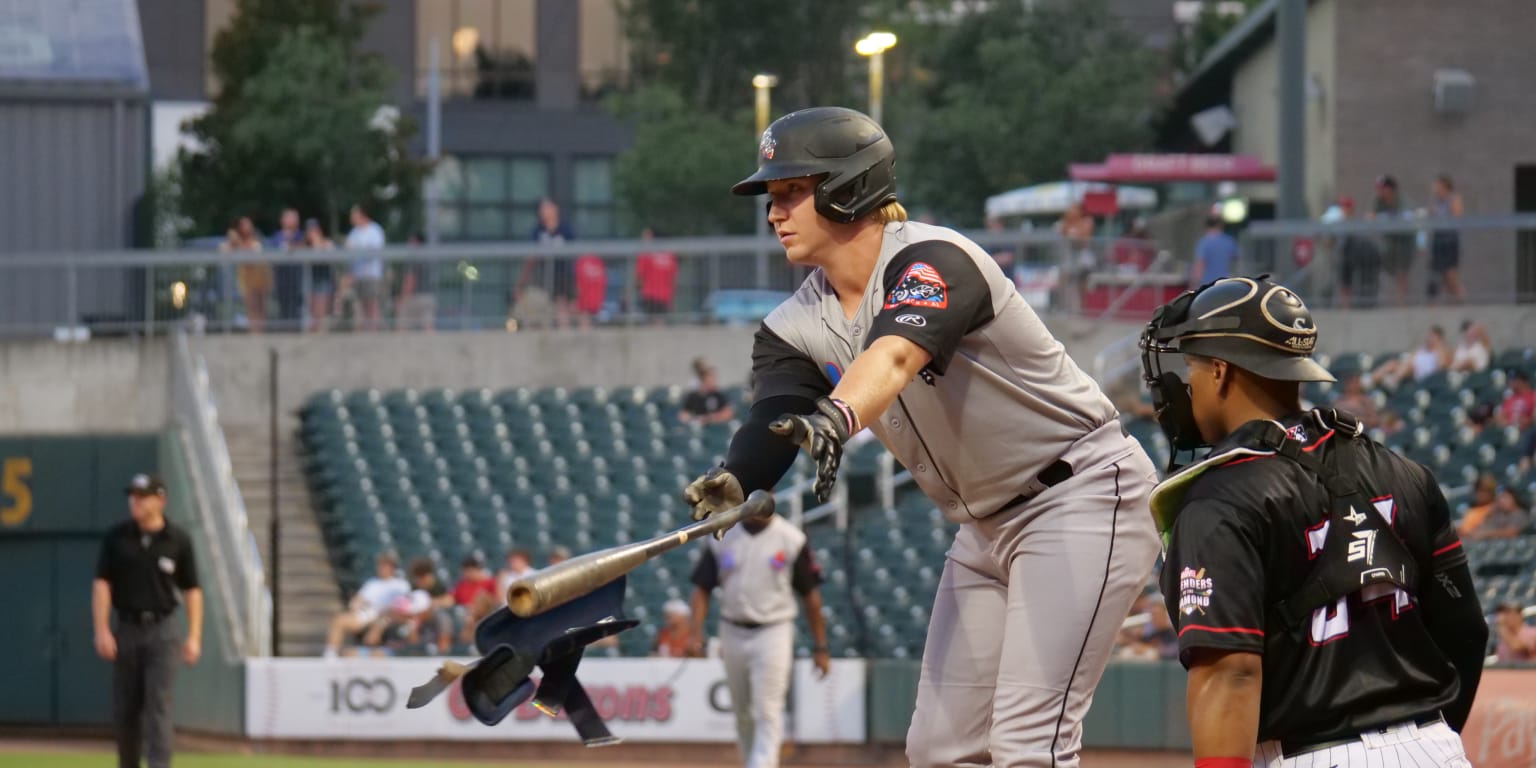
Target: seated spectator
1430,358
557,555
1389,423
406,617
519,564
1473,349
1520,403
1354,399
1517,639
706,404
1482,503
674,639
475,593
1148,634
1507,517
369,604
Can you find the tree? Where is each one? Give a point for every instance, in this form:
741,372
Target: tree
301,119
1006,97
1213,23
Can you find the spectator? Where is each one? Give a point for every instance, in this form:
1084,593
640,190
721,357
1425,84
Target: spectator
254,279
409,614
365,280
475,594
1507,517
591,289
1472,349
1398,248
1215,253
1430,358
321,285
369,604
1483,492
674,639
656,276
1354,399
1359,263
1520,403
415,304
289,277
1445,244
1148,634
1517,640
557,555
1389,423
550,230
1076,228
706,404
519,564
1134,252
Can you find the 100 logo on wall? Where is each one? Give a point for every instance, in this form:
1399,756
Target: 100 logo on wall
362,694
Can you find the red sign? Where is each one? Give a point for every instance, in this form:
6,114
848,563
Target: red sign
1501,733
1160,168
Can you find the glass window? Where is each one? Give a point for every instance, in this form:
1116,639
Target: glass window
486,223
594,222
594,181
530,179
490,197
486,179
487,49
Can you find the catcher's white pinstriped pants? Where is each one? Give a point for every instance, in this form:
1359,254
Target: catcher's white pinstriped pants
1399,746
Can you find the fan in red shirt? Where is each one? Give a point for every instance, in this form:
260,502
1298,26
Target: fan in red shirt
1520,405
656,274
591,287
475,592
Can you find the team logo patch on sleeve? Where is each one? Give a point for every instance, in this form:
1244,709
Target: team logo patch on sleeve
919,286
1194,591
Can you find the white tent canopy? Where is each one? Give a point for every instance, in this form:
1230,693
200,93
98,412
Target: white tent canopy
1054,197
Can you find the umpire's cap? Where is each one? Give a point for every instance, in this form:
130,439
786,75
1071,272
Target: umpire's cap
846,148
1255,324
144,485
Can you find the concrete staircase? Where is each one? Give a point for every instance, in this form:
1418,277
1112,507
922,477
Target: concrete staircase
307,596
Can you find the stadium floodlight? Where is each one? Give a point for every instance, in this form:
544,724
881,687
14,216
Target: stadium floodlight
873,47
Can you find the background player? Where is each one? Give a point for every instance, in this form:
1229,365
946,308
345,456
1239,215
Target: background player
759,566
1378,676
914,331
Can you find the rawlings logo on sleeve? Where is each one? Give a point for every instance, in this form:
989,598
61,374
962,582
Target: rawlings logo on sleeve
919,286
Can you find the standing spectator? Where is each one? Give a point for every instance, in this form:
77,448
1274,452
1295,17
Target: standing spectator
551,230
1517,640
656,277
321,285
1215,253
254,279
289,277
1355,400
675,638
1520,403
1473,349
1430,358
519,564
1076,230
591,289
416,304
145,570
1445,244
706,404
369,604
1134,252
475,593
1359,263
366,277
1398,248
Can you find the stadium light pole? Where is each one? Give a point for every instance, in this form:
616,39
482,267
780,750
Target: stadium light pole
873,47
762,87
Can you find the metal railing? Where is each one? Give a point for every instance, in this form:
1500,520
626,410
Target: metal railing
240,577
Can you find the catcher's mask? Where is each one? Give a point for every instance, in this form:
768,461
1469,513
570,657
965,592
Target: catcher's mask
1251,323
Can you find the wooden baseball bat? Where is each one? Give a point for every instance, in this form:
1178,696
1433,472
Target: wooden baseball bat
560,584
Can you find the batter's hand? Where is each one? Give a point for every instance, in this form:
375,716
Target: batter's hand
714,491
821,435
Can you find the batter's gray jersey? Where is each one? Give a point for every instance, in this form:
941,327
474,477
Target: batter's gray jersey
1000,402
759,574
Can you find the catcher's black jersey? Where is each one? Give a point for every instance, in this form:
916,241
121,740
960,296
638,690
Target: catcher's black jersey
1247,536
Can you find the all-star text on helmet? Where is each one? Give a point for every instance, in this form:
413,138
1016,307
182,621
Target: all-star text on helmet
848,151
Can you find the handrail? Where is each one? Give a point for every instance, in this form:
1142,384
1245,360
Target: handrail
240,576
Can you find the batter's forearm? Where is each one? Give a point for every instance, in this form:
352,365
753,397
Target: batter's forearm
757,457
878,375
194,598
1223,703
101,605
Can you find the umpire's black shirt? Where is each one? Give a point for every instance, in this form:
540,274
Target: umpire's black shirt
146,569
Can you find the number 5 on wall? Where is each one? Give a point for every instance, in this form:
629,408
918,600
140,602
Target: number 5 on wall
13,486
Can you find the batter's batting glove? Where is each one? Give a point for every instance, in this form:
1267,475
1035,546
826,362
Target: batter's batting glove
821,435
714,491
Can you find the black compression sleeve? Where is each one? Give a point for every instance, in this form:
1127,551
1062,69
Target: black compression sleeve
759,458
1455,621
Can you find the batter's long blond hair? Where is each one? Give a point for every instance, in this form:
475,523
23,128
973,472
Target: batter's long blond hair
890,212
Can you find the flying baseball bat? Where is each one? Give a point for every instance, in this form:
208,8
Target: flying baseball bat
558,584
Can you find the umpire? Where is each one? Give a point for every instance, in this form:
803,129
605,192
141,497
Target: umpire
145,570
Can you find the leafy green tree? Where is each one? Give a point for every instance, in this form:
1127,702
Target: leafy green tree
1212,24
300,120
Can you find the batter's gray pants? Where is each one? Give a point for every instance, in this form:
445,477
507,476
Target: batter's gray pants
1026,614
757,667
141,691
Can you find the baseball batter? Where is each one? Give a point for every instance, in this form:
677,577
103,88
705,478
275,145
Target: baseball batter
1323,602
759,567
913,331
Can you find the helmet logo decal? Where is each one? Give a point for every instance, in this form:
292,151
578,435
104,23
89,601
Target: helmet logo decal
766,147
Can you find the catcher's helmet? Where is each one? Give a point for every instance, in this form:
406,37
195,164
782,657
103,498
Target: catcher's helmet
849,151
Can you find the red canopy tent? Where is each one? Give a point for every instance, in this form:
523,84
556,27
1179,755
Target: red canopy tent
1137,168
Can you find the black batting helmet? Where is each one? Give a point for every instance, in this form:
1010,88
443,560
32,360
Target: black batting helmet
848,150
